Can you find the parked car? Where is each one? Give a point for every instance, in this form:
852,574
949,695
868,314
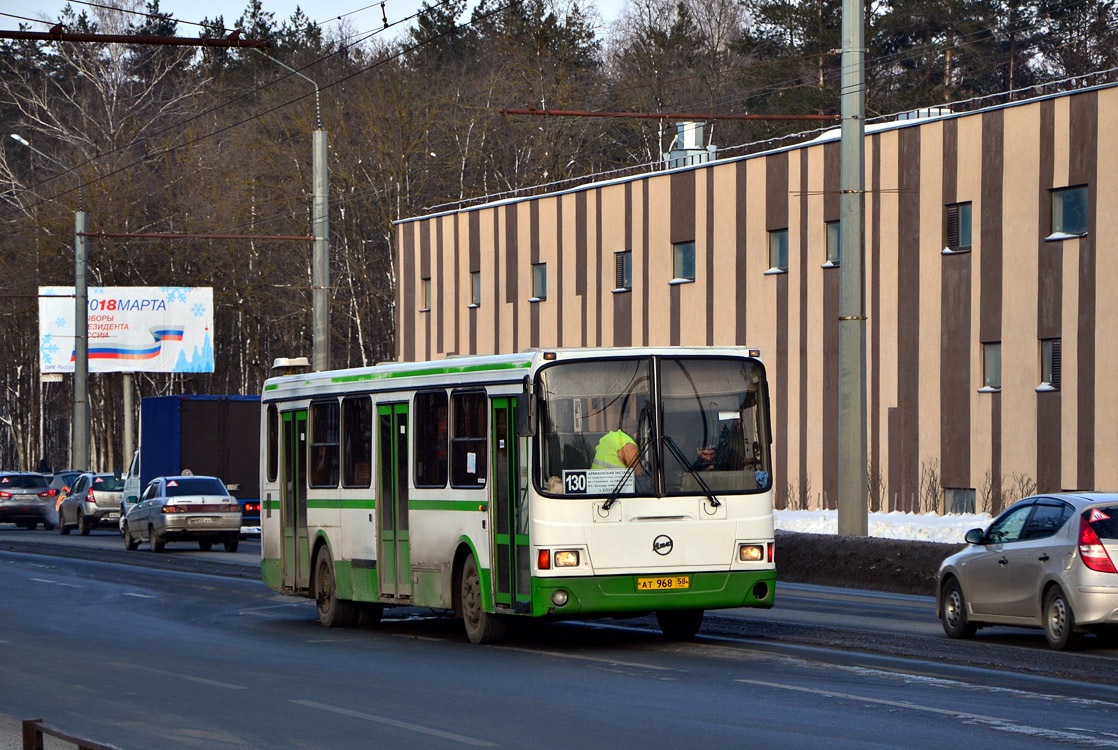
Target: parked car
25,500
92,502
184,508
1046,562
60,483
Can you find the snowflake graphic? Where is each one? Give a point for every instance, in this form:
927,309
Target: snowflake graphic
199,309
60,322
48,348
176,294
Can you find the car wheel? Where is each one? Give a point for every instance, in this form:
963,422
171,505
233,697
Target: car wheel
1059,621
680,624
156,540
481,626
48,526
954,614
131,543
232,542
30,525
83,524
332,611
63,529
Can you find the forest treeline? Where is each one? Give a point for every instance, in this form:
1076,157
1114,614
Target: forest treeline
217,141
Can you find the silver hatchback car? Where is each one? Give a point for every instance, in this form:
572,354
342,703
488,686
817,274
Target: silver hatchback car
184,508
1046,562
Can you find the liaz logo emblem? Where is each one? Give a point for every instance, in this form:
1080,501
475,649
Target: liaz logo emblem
662,545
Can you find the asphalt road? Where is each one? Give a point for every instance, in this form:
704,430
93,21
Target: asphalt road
139,656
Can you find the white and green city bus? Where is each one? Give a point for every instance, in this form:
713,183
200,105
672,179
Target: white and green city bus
494,487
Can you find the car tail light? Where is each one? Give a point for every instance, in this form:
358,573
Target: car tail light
1091,550
47,493
5,494
250,507
90,497
174,509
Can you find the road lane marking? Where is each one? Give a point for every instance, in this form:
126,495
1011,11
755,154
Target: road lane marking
1004,725
204,681
396,723
139,596
56,583
582,657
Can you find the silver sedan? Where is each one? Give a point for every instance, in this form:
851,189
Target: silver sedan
1046,562
184,508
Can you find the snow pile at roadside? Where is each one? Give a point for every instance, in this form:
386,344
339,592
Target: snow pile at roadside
927,527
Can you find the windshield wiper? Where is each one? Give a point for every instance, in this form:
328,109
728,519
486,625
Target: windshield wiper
625,478
714,501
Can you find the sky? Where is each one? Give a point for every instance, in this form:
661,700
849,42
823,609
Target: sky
364,15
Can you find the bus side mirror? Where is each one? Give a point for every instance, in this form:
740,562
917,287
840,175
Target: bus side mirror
525,415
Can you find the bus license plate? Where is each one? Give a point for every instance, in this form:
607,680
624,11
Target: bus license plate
662,584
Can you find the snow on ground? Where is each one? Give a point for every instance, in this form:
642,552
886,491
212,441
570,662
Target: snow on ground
927,527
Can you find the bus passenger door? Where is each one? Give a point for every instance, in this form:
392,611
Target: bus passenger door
393,557
296,564
511,554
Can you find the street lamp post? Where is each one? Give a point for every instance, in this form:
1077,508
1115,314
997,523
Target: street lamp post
79,453
320,219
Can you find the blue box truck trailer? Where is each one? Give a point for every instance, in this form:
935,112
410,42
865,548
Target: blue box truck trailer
206,435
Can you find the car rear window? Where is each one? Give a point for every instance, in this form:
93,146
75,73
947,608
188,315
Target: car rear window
1104,521
108,484
24,481
195,486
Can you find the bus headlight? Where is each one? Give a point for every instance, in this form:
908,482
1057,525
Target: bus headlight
751,552
567,558
559,597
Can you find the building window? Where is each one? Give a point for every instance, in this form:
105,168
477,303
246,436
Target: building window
992,366
1069,213
957,220
475,288
431,418
958,500
834,243
324,444
467,439
357,440
539,282
778,250
623,265
426,295
683,262
1050,364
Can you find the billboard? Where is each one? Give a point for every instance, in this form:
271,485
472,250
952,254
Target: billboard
131,329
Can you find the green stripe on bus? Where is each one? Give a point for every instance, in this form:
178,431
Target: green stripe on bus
430,371
465,505
337,503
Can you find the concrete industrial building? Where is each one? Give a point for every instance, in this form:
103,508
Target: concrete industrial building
986,274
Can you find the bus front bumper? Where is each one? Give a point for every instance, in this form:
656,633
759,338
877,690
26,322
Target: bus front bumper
595,596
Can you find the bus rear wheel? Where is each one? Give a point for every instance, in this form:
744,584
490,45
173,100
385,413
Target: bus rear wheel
481,626
332,611
680,624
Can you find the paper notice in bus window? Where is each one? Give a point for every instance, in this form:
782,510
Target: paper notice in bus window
595,481
471,463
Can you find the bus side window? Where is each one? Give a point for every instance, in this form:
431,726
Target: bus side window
324,443
468,458
430,435
357,438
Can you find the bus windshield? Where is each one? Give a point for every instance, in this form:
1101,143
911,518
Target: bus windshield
658,426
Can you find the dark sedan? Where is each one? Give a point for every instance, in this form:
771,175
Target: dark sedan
26,500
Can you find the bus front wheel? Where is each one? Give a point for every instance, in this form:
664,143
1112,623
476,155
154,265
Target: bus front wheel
481,626
332,611
680,624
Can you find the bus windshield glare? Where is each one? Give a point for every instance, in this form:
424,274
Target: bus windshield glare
660,426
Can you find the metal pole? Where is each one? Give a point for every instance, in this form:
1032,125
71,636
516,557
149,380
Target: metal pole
853,518
128,441
80,457
320,265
